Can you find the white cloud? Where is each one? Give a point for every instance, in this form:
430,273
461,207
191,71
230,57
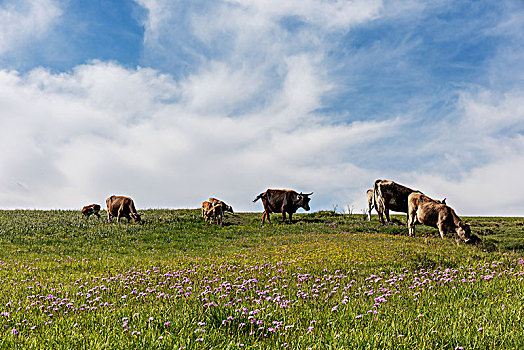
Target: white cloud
24,21
103,129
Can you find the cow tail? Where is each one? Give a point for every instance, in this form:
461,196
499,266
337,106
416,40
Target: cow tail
259,196
378,199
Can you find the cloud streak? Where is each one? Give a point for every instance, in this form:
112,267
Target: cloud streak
23,22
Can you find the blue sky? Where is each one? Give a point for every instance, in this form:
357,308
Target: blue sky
174,101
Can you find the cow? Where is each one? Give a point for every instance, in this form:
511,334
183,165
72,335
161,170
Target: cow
121,206
91,209
216,214
371,203
389,195
430,212
206,206
283,201
225,207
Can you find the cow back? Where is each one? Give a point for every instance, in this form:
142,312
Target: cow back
275,200
431,211
122,203
392,195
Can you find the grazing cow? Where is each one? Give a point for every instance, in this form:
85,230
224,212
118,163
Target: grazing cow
283,201
120,206
206,206
225,207
216,214
389,195
434,213
371,203
91,209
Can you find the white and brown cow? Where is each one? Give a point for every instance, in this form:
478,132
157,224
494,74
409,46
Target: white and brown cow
431,212
91,209
389,195
206,206
121,206
225,207
215,214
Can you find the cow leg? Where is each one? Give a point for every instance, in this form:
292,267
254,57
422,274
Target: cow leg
411,225
97,215
380,217
283,216
266,214
290,220
108,216
441,230
369,213
387,215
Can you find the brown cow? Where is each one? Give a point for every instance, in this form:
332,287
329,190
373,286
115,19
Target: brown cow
120,206
283,201
389,195
206,206
434,213
91,209
225,207
371,203
216,215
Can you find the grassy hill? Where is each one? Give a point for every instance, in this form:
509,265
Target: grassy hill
326,281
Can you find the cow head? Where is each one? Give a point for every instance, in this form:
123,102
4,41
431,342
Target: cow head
302,200
135,217
464,231
229,209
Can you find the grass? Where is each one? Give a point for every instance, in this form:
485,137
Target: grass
326,281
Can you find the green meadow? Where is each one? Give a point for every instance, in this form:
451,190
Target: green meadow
328,281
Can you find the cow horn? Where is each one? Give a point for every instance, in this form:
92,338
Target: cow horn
308,194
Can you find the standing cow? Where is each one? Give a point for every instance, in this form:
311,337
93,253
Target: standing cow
283,201
216,215
225,207
120,206
206,206
91,209
389,195
434,213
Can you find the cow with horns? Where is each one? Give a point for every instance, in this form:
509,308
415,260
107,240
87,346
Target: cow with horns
283,201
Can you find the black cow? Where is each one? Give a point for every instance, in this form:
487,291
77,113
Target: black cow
283,201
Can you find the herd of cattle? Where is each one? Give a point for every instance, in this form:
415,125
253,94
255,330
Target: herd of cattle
388,195
385,196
